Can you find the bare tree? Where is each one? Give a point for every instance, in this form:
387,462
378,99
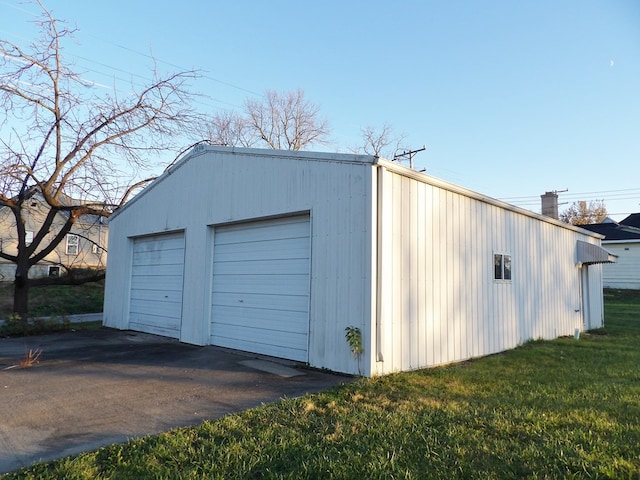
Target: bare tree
583,213
229,128
381,143
285,121
60,139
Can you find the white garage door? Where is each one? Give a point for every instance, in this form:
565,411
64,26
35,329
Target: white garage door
261,287
156,284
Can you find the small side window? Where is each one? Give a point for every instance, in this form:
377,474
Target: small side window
506,267
54,271
28,237
501,266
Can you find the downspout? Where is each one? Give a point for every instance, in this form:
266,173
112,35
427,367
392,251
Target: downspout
379,292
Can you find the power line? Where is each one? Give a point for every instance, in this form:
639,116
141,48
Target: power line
205,76
170,64
579,194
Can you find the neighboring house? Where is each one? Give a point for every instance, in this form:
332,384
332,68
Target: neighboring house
632,220
83,247
277,252
623,240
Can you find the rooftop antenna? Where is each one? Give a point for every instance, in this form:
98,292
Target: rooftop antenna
408,154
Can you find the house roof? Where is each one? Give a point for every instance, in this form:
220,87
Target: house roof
614,231
87,219
632,220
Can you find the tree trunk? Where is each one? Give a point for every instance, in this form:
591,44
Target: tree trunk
21,289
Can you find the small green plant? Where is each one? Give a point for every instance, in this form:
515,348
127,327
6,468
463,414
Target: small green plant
15,326
354,339
12,324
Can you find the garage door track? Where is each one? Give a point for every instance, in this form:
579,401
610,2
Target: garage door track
96,387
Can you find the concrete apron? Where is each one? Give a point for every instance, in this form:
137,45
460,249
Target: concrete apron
97,387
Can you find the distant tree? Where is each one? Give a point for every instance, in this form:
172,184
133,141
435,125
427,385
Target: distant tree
285,121
381,143
60,137
583,213
229,128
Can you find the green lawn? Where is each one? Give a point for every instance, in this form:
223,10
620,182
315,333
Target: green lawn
49,308
56,300
561,409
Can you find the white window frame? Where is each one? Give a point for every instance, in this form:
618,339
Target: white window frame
502,267
73,244
28,237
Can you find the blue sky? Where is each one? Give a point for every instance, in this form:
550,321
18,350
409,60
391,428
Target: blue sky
511,98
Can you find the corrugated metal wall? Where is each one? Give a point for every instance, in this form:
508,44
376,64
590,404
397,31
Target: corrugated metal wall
439,300
220,186
406,258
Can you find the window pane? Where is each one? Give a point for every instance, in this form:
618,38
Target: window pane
72,244
497,265
507,267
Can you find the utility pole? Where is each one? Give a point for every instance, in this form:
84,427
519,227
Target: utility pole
408,154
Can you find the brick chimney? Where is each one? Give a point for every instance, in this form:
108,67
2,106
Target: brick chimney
550,204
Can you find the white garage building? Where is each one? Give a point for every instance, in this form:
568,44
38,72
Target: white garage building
277,252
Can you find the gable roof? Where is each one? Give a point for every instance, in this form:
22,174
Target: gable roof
632,220
86,219
340,158
614,231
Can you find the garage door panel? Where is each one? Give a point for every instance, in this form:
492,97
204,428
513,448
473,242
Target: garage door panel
295,227
160,283
166,270
272,250
155,304
296,303
155,320
260,287
291,346
156,308
283,321
244,267
159,257
157,295
262,284
153,324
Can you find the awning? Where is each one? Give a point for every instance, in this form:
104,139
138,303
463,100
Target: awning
589,253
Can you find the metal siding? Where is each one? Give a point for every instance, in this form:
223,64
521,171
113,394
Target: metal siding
260,292
397,293
155,304
236,185
437,263
232,185
419,221
625,273
437,279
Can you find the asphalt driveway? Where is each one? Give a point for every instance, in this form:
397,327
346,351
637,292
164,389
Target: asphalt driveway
97,387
